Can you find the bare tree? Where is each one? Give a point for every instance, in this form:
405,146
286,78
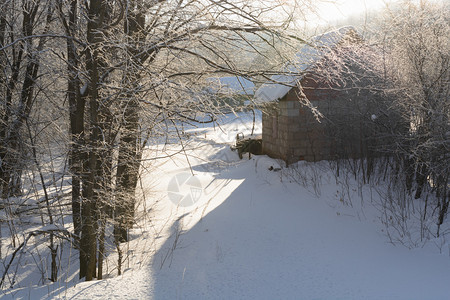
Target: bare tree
130,61
20,63
415,38
24,38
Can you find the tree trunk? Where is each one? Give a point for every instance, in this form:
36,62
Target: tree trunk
127,172
76,113
92,183
130,149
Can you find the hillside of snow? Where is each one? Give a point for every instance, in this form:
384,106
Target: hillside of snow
212,226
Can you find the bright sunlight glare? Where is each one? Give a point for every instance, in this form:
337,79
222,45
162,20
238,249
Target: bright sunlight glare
341,9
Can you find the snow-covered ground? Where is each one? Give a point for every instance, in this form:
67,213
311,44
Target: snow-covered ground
252,229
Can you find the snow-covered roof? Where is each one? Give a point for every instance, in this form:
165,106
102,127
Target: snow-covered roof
280,85
232,84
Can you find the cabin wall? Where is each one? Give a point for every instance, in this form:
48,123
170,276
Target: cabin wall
280,130
292,132
358,120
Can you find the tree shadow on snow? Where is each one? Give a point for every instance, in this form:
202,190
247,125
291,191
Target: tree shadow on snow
234,250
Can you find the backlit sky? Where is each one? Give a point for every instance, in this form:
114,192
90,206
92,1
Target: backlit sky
342,9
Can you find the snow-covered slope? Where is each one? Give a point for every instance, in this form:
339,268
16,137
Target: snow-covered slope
260,231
